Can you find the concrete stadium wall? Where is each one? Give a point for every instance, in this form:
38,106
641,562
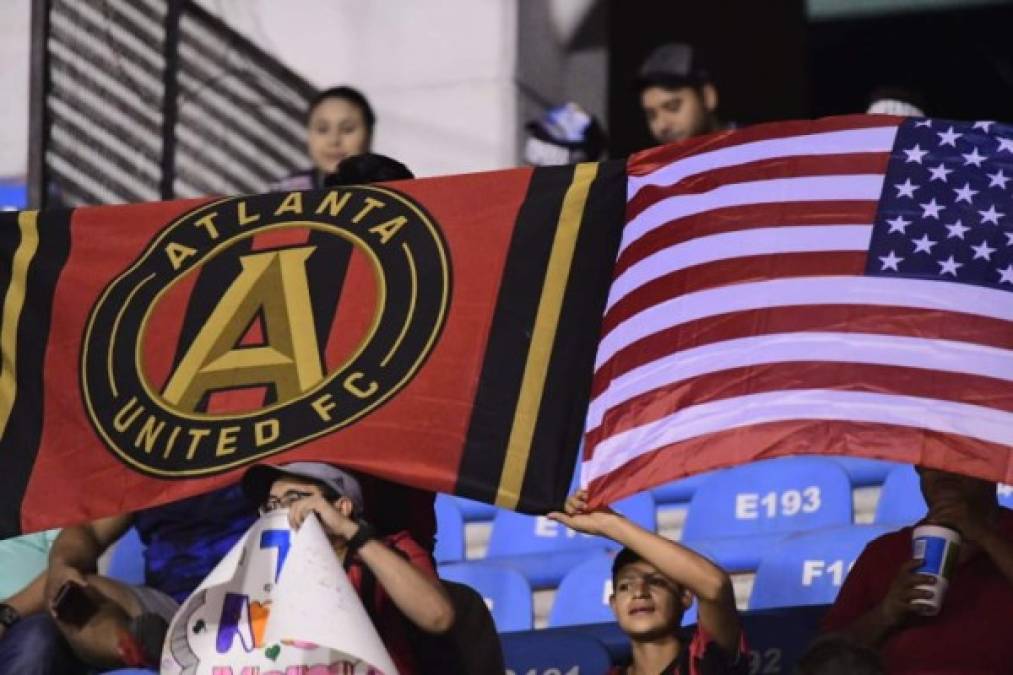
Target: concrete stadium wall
15,18
440,74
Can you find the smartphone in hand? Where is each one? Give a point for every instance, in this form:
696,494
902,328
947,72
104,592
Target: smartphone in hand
72,605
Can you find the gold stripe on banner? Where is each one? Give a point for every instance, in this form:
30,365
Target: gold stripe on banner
14,302
549,307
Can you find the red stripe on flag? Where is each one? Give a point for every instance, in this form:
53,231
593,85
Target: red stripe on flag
770,377
902,321
721,449
765,169
648,161
732,271
735,218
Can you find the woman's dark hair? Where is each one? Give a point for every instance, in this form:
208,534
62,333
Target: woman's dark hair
367,168
353,96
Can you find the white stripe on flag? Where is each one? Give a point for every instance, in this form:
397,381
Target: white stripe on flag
986,424
867,348
876,139
838,290
850,187
739,244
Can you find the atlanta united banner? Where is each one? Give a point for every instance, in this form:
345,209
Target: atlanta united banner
438,333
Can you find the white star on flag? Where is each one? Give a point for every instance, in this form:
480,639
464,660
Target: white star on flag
924,123
906,189
949,266
1005,144
983,125
940,172
915,154
924,244
991,215
1006,275
931,209
948,137
1009,238
983,250
957,230
965,193
898,224
973,158
890,262
997,179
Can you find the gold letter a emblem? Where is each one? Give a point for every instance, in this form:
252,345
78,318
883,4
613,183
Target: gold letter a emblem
273,284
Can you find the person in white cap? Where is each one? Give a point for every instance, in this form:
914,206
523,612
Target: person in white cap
394,575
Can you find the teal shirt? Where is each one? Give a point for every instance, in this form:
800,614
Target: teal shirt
22,559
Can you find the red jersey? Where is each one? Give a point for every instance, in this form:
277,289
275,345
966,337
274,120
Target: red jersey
972,634
704,657
390,623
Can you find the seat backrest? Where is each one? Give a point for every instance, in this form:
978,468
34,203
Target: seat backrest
583,595
1005,493
774,496
548,652
901,501
126,560
474,511
449,530
808,568
506,592
516,533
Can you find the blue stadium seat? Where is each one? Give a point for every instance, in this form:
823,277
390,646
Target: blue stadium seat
901,501
865,472
808,568
542,653
13,196
1005,495
505,590
449,531
740,512
126,562
544,551
583,595
679,491
473,511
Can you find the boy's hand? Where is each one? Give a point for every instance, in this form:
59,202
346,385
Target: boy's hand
576,516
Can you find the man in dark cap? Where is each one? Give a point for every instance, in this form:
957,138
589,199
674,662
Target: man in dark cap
676,92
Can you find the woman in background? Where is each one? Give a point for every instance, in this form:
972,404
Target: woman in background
339,124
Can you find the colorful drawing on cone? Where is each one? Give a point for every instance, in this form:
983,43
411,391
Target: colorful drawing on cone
278,604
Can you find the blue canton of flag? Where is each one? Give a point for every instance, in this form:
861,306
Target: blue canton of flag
946,211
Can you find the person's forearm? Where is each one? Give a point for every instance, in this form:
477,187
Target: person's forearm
870,629
76,547
707,581
1000,550
31,598
419,597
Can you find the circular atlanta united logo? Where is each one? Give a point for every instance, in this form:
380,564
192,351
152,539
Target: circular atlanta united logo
251,325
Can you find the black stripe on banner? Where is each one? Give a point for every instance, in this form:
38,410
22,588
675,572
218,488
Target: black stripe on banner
568,382
510,336
19,443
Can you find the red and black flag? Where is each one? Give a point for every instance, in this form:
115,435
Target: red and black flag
438,332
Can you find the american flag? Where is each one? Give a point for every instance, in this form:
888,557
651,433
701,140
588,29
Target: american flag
839,286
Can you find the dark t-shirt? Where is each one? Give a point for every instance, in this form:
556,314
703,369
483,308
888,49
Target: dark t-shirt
186,539
704,657
393,627
973,633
